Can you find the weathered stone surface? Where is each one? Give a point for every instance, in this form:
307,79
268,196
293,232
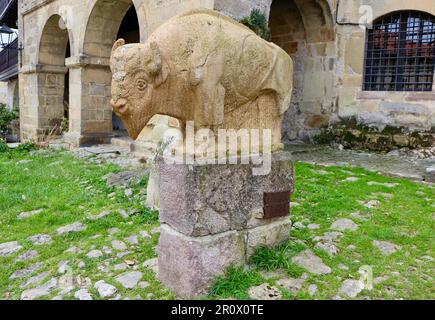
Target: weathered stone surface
328,247
189,265
133,239
291,284
152,264
119,245
39,292
344,225
312,289
9,248
83,294
329,237
99,216
25,215
26,271
352,288
308,260
104,289
265,292
40,239
74,227
386,247
201,200
63,267
269,235
120,267
124,178
129,280
29,255
94,254
35,280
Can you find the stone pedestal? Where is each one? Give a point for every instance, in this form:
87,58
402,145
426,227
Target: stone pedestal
215,215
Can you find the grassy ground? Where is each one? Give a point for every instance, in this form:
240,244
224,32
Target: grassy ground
69,190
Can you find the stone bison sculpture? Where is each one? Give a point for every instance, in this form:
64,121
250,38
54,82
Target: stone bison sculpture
204,67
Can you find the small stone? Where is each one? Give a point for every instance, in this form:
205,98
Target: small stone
293,285
351,247
145,235
143,284
40,239
113,231
352,288
129,280
380,279
388,185
130,263
83,294
386,247
42,291
99,216
94,254
29,255
104,289
370,204
119,245
344,224
312,289
124,214
280,273
343,267
120,267
25,215
81,264
155,230
9,248
128,193
74,227
73,250
152,264
63,267
123,254
328,247
351,179
328,237
308,260
27,271
35,280
107,250
133,239
313,226
265,292
298,225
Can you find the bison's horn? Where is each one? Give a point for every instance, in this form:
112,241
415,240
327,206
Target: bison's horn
155,63
118,43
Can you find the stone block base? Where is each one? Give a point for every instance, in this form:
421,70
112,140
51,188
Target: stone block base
82,140
189,265
216,215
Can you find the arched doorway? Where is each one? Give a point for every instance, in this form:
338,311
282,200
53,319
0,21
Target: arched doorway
107,21
129,31
53,76
305,30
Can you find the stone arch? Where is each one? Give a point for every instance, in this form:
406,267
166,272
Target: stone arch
54,47
103,26
305,30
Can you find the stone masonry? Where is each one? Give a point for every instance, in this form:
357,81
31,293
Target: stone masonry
213,216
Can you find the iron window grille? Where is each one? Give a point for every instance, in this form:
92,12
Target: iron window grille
400,53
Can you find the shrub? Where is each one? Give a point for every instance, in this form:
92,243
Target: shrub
6,117
257,22
3,146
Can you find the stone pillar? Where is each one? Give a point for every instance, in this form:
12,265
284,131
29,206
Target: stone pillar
90,117
42,100
215,215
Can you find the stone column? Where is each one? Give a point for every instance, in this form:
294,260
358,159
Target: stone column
42,99
90,111
214,216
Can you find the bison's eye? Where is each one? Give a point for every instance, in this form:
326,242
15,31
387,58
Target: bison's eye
141,84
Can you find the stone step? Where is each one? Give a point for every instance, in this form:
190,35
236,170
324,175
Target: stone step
123,142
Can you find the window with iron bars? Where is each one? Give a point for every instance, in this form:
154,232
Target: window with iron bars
400,53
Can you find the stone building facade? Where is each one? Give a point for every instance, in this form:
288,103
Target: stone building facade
64,67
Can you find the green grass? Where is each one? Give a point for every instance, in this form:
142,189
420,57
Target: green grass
69,189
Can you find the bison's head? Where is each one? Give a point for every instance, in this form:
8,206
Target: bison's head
137,71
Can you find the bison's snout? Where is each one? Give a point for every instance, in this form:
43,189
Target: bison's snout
119,106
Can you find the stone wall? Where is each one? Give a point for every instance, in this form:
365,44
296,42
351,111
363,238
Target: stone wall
329,61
